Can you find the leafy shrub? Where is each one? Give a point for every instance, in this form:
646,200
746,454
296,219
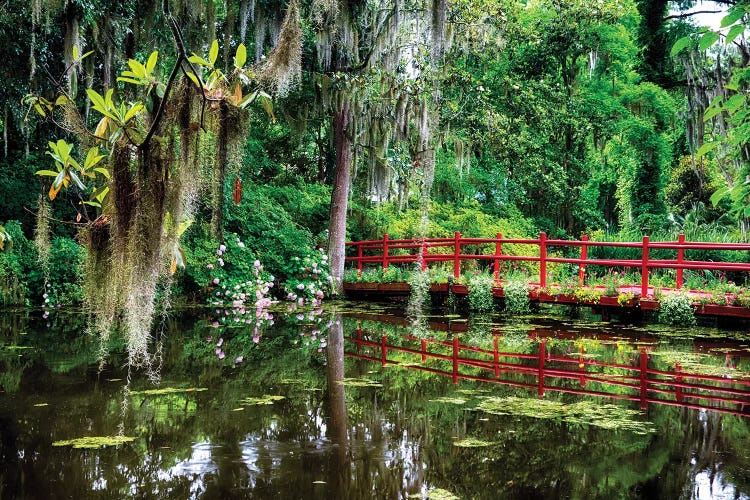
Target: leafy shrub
677,309
12,284
516,296
480,293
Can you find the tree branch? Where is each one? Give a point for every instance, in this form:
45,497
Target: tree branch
689,14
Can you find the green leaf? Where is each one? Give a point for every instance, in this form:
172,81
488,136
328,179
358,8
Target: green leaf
711,112
128,80
735,14
734,102
709,38
213,52
96,99
137,68
73,84
680,45
196,59
151,63
706,148
132,112
49,173
75,52
734,32
92,158
78,182
240,56
718,195
59,179
100,194
92,203
193,78
103,171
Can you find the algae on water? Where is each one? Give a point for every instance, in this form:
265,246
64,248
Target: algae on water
472,443
93,442
359,382
603,415
266,399
168,390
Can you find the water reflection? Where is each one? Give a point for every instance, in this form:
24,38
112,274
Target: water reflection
299,420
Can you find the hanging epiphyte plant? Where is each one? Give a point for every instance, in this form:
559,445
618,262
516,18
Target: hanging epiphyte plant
137,175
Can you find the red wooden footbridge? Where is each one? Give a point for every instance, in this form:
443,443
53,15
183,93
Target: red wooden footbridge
491,255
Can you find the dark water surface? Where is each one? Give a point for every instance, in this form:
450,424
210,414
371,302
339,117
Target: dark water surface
349,403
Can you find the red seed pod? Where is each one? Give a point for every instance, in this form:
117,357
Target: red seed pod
237,195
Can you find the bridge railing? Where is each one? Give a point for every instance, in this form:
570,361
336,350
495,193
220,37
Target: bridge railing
548,372
381,252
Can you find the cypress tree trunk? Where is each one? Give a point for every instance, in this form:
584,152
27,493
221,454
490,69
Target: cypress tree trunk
340,195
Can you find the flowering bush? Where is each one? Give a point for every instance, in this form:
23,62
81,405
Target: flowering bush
240,287
309,281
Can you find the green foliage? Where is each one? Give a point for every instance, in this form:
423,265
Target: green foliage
480,293
270,230
13,288
516,293
676,309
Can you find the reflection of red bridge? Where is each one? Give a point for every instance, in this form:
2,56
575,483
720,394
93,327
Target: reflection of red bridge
454,251
573,374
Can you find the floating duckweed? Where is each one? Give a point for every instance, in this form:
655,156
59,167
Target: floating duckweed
471,392
15,347
472,443
238,409
93,442
266,399
441,494
168,390
691,362
360,382
449,400
39,405
606,416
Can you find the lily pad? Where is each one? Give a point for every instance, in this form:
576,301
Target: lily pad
266,399
168,390
93,442
39,405
472,443
359,382
449,400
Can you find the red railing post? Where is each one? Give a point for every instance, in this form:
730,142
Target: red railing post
496,358
680,260
455,359
644,379
457,255
644,267
359,259
542,358
498,253
385,251
383,350
678,389
543,260
584,255
424,350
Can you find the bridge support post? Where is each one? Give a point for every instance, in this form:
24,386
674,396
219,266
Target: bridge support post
680,260
385,251
644,379
542,359
584,256
644,268
498,253
543,260
457,255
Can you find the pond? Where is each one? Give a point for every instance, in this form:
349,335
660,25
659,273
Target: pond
347,401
